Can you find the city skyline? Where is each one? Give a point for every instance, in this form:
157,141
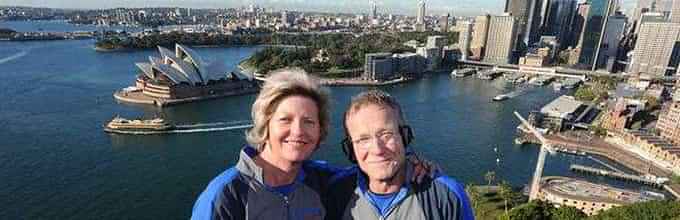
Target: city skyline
435,7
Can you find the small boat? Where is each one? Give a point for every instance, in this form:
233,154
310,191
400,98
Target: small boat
463,72
118,124
500,97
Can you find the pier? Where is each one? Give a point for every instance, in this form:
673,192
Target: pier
615,175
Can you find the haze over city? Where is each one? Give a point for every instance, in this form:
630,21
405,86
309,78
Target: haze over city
456,7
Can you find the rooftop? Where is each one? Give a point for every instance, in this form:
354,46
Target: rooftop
586,191
561,107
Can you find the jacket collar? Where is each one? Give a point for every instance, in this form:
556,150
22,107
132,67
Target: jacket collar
362,182
246,164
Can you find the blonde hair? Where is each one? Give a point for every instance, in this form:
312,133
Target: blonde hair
279,85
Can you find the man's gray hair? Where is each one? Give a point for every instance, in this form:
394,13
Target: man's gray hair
374,97
279,85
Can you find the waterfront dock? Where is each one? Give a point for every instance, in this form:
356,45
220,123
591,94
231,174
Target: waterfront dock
615,175
597,146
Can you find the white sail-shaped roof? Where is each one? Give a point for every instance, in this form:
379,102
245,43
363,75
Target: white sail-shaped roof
171,73
146,69
155,60
165,52
185,68
190,56
216,71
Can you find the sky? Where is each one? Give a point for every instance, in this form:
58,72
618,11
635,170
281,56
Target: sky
408,7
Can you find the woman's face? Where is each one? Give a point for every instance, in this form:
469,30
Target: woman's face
294,129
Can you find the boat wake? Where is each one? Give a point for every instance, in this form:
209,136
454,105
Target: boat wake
520,91
216,124
13,57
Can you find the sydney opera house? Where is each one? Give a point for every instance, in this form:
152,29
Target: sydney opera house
181,76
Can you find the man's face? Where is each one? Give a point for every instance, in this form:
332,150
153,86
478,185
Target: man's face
378,147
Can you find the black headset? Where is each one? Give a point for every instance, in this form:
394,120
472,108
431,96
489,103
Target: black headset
348,147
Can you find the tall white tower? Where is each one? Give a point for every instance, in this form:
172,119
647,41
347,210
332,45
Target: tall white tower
420,19
374,9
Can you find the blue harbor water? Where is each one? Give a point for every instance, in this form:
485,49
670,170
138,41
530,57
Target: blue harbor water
56,162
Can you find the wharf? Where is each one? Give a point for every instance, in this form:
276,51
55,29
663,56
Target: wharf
614,174
597,146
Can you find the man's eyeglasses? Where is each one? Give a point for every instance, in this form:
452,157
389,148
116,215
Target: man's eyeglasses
386,137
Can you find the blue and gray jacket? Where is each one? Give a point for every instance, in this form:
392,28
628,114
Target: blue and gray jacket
240,193
434,198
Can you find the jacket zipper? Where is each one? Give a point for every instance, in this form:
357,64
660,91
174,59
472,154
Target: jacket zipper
287,204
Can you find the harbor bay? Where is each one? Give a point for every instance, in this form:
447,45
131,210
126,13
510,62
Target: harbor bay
57,162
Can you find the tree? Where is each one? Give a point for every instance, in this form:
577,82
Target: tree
490,176
474,194
585,93
642,210
566,213
536,209
506,193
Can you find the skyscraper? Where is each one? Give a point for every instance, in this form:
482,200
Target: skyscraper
613,34
643,6
420,19
527,13
479,35
464,29
656,48
649,17
499,43
374,9
595,23
675,11
287,18
557,20
444,23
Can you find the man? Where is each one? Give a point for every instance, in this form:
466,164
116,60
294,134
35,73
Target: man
377,137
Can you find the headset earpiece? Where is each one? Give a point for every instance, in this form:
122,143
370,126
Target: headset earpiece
406,135
348,149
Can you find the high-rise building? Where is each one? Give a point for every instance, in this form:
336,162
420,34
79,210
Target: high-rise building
576,30
374,9
558,18
527,13
649,17
287,18
499,43
642,6
464,29
444,23
668,124
379,66
656,49
595,23
675,11
479,33
420,17
436,41
613,34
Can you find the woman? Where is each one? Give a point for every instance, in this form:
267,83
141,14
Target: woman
273,178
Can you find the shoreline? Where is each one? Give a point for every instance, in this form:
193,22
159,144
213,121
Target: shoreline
601,147
335,82
136,97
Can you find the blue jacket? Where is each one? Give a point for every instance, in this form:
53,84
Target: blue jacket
435,198
240,193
